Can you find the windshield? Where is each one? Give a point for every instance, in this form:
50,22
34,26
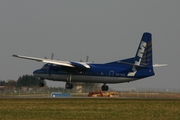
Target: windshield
45,67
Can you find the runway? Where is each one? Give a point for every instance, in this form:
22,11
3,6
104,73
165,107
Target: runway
84,97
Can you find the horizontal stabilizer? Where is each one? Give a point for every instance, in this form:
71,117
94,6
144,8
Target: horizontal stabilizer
159,65
132,64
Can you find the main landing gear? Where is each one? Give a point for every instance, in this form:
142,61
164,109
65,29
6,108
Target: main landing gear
69,85
104,87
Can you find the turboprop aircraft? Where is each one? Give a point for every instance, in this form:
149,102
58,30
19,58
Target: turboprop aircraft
120,71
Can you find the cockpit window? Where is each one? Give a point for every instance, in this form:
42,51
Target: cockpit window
45,67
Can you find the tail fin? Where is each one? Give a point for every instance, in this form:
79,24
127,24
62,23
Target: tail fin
144,53
143,58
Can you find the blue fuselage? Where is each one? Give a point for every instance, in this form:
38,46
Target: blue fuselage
98,73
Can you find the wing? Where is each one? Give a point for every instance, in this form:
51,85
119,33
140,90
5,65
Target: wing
78,65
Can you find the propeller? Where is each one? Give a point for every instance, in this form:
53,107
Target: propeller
50,66
52,56
87,58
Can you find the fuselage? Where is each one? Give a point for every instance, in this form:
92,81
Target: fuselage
98,73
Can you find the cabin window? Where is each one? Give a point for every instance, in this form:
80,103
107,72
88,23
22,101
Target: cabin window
117,74
122,74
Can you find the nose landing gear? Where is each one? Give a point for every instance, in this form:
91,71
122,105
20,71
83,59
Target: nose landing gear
41,84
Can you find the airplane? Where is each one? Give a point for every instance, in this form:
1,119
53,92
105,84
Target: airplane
120,71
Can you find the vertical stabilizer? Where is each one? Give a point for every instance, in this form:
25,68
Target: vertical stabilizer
143,56
144,53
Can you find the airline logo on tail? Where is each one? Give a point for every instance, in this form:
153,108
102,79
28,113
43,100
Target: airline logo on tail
141,52
140,55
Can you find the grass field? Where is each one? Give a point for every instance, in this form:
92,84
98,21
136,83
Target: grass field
87,109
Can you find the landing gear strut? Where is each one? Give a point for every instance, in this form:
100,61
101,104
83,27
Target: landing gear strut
104,87
69,85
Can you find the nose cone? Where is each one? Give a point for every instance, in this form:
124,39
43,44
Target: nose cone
35,72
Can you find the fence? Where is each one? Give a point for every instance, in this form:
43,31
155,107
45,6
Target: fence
122,92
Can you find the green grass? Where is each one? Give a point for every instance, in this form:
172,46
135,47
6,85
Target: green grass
84,109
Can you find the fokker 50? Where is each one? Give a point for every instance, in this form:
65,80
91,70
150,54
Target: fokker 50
126,70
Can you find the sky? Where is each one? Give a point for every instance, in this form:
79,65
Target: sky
105,30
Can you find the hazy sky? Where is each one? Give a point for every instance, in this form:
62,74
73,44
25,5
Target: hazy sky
106,30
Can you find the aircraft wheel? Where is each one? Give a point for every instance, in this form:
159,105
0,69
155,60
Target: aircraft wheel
104,88
69,86
41,84
107,88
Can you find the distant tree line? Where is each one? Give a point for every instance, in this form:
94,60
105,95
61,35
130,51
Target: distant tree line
29,80
2,83
25,80
33,81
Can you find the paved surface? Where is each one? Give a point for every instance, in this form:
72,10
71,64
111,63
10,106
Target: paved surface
39,97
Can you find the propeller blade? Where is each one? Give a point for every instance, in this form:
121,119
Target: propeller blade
52,56
87,58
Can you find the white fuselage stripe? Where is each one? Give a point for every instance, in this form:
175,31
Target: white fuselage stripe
83,78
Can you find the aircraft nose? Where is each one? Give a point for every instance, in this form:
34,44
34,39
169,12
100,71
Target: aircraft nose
35,72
